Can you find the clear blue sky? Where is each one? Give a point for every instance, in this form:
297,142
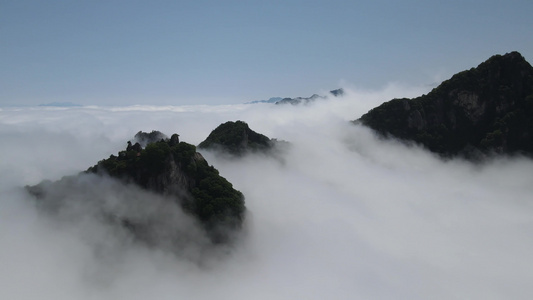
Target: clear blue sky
216,52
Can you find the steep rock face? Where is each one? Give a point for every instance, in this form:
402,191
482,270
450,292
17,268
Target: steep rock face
488,108
236,138
175,171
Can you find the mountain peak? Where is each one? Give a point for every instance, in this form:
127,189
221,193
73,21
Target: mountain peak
165,167
488,108
236,138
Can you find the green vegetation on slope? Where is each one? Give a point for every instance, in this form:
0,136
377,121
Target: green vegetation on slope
488,108
175,168
236,138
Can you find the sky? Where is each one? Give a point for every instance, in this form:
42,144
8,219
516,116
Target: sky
226,52
340,215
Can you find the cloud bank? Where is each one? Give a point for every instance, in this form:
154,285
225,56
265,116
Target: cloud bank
343,216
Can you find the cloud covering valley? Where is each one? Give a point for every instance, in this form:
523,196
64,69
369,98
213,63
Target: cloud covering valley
343,215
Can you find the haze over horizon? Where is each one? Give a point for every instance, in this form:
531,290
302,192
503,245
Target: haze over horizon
211,52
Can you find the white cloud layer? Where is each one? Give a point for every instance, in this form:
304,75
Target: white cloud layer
343,216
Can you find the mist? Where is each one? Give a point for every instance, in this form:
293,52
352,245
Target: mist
342,215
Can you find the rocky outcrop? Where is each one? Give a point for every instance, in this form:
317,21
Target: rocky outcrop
488,109
236,138
145,138
173,170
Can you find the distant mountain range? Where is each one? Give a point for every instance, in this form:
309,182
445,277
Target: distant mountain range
271,100
298,100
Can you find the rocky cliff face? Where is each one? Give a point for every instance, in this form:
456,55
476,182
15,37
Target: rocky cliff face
168,168
488,108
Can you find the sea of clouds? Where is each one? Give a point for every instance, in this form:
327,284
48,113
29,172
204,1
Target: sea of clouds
343,214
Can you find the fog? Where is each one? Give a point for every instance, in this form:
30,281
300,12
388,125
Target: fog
342,215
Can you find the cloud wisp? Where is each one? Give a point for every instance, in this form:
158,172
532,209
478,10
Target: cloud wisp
344,215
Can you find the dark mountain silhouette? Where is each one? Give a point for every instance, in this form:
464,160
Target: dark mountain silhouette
166,167
236,138
484,110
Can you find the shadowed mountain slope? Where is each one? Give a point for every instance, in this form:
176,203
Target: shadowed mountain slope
236,138
488,109
169,168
